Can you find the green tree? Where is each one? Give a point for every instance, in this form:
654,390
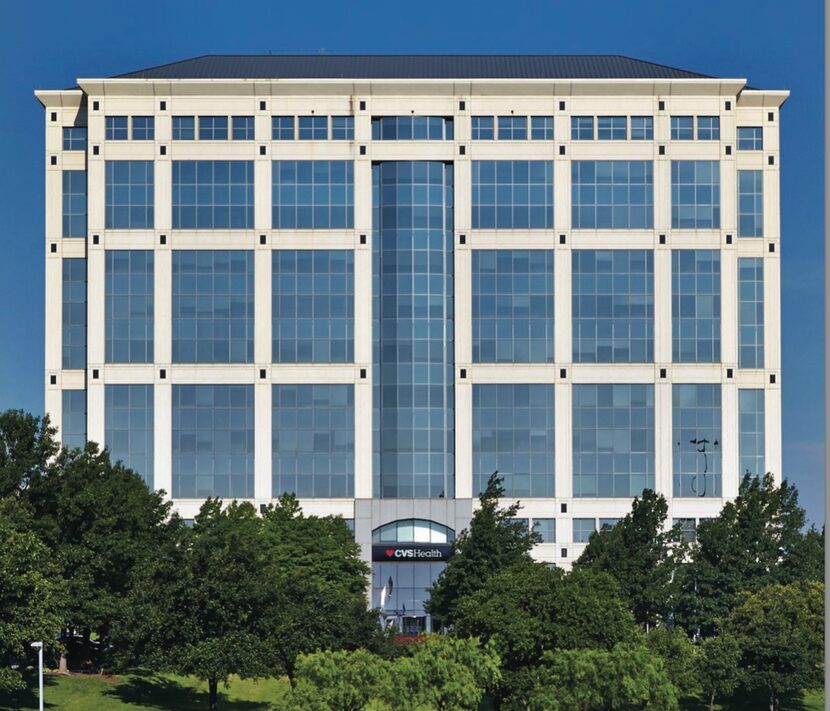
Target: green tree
756,540
243,594
339,681
637,551
101,522
678,653
494,541
32,593
444,673
528,609
780,631
27,445
717,666
629,677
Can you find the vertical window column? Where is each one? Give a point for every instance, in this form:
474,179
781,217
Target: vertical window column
696,307
73,331
751,432
74,203
128,414
697,439
129,306
73,418
751,312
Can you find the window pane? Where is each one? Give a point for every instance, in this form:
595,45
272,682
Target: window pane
129,427
610,194
696,435
130,195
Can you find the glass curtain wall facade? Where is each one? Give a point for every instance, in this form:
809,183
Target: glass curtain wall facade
414,413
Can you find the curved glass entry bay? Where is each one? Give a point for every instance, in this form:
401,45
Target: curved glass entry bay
413,354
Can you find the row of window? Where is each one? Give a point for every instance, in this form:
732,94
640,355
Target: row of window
584,528
312,307
414,128
313,438
312,297
306,194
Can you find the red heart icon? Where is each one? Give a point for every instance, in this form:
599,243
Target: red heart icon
390,552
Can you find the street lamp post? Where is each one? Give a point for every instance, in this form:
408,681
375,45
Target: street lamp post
39,647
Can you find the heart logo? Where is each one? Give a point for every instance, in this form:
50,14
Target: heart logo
390,552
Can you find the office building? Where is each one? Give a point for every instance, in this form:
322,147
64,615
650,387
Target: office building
374,280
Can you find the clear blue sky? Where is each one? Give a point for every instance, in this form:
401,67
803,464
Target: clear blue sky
771,43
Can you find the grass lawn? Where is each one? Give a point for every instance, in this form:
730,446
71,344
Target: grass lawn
808,701
143,690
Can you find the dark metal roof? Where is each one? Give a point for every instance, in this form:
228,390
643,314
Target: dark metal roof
398,66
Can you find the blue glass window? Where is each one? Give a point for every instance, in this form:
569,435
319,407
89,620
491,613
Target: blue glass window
606,524
73,419
751,312
696,435
282,128
695,191
613,439
74,203
750,138
708,128
513,434
242,128
512,194
313,128
512,128
312,306
612,293
583,529
751,428
682,128
73,331
213,194
129,306
750,203
342,128
482,128
213,128
695,306
688,528
184,128
144,128
612,194
413,326
512,306
612,128
130,194
116,128
313,440
128,427
582,128
213,441
213,306
642,128
74,138
541,128
546,528
316,194
412,128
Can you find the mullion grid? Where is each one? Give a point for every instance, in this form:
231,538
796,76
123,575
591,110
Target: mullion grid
129,296
210,194
613,439
313,440
751,432
73,204
513,312
613,306
309,194
213,441
312,297
612,194
695,194
213,306
73,321
128,427
512,194
73,418
750,203
513,433
696,416
129,194
696,306
751,312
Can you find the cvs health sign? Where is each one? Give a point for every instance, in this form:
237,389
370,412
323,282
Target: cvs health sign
411,552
